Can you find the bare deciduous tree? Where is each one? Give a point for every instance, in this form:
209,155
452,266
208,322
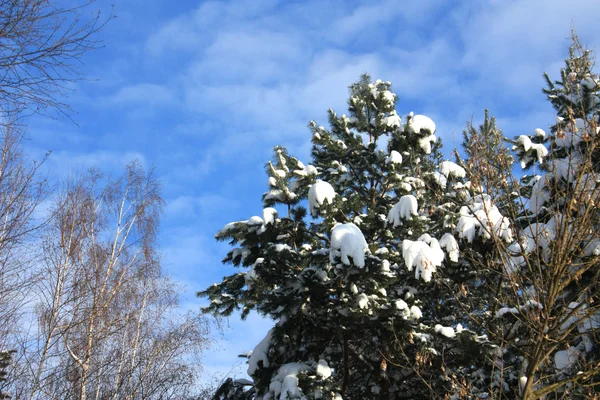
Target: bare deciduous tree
107,322
41,46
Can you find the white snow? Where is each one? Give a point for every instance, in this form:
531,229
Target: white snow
505,310
565,168
363,301
539,132
405,208
592,248
539,194
394,158
448,168
401,305
269,215
447,331
415,312
279,247
256,220
524,142
318,193
440,179
564,359
284,385
451,245
425,257
482,214
323,369
540,150
426,142
260,353
421,122
573,134
347,240
307,170
522,384
392,120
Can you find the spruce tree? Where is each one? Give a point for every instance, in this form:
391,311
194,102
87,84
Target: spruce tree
356,259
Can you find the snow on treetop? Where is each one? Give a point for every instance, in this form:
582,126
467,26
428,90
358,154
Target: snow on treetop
418,123
405,208
392,120
347,240
539,132
393,158
449,168
305,170
318,193
425,254
385,94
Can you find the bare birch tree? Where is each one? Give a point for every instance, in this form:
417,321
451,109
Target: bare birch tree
41,49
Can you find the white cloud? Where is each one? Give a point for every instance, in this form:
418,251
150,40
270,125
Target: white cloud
143,93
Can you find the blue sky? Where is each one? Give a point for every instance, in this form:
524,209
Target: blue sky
204,90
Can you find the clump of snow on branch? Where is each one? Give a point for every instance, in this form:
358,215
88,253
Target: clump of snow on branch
482,217
422,124
363,301
540,194
269,215
440,179
448,168
425,254
284,385
319,193
323,369
305,170
575,132
260,353
347,240
394,158
392,120
451,245
447,331
405,208
418,123
531,151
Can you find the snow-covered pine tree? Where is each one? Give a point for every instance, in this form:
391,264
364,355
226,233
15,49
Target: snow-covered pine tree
357,284
546,320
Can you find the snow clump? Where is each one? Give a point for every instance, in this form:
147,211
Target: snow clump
425,254
448,168
418,123
394,158
260,353
347,240
318,193
405,208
